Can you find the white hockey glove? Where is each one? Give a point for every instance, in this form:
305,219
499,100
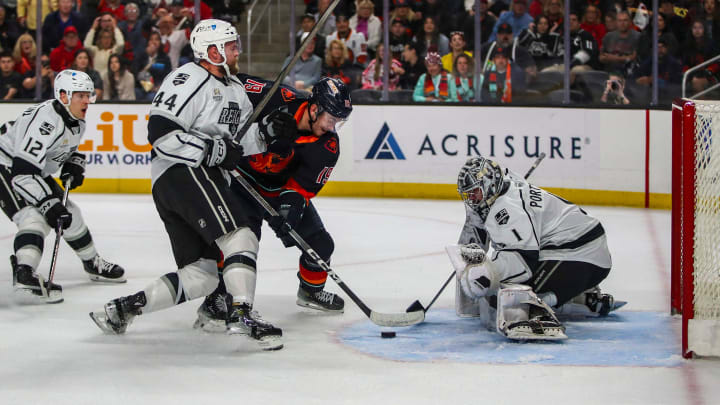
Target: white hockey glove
472,253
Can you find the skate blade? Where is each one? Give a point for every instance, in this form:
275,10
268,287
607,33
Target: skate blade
100,319
270,343
34,297
529,335
101,279
306,304
210,325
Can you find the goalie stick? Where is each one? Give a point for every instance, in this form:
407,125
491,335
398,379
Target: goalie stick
417,306
378,318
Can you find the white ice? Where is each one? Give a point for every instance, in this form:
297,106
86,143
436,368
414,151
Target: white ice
390,252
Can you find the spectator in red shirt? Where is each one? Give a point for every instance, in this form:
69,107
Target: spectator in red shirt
24,54
591,23
63,56
113,7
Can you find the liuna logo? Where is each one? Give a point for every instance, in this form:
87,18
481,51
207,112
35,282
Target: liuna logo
385,146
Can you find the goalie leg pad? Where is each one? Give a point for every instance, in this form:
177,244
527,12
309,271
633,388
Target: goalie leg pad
240,249
521,315
30,237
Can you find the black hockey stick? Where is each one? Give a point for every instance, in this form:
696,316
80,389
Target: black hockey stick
281,76
58,234
382,319
417,306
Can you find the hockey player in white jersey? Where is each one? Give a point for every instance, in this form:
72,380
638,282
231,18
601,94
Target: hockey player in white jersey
38,144
547,254
194,119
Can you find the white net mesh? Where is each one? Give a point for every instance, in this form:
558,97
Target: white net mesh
706,254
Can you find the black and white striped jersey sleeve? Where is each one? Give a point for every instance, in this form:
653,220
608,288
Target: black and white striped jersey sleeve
171,142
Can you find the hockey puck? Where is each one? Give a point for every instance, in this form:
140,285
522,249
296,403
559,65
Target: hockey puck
387,335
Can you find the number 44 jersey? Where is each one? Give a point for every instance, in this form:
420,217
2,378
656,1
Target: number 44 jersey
191,107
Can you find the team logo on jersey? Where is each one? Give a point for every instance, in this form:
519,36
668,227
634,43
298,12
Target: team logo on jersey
385,146
181,78
217,96
331,145
46,128
252,86
287,95
502,217
230,115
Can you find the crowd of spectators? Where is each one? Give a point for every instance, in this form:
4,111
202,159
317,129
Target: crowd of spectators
127,47
522,51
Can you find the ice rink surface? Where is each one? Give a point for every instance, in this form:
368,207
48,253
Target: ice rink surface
390,252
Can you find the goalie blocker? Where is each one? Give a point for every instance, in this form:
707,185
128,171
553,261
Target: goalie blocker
526,255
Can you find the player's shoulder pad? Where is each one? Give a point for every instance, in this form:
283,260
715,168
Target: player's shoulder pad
51,117
186,78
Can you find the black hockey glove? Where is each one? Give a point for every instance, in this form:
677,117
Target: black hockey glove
291,209
279,130
54,212
223,153
73,168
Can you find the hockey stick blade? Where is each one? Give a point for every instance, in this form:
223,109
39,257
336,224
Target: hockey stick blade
395,320
416,306
399,319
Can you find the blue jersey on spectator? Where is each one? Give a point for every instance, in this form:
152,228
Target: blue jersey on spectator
517,22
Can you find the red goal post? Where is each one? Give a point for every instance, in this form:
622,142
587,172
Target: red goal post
695,253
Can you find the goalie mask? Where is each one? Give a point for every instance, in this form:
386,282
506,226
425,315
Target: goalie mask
480,182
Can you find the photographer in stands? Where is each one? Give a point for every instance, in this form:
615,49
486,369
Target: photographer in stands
615,90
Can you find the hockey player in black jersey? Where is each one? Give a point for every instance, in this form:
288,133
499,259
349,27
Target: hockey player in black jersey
194,120
288,181
40,142
525,255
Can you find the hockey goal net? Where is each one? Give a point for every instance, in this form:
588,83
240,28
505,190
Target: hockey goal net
695,286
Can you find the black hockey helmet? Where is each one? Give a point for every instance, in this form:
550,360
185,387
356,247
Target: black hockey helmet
480,182
333,97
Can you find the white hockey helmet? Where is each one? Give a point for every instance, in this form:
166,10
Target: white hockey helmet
212,32
70,81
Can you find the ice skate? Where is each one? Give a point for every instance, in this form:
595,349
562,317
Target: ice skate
591,304
321,300
30,286
119,313
244,321
540,326
212,314
102,271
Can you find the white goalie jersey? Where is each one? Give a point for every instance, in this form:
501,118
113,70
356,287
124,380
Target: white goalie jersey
37,144
191,106
527,224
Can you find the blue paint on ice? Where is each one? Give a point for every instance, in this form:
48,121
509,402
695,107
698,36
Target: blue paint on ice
625,338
